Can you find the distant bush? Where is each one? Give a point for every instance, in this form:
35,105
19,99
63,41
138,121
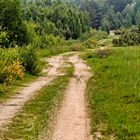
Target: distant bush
51,40
128,38
98,35
90,43
91,38
30,60
76,47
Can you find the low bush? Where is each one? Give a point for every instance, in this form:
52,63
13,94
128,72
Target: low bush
98,35
10,66
3,39
15,62
90,43
128,38
51,40
30,60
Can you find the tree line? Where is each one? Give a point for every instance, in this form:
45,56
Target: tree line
112,14
21,22
27,21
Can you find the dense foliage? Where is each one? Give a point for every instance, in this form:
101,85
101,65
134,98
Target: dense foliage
56,18
31,21
128,37
12,27
69,22
15,63
112,14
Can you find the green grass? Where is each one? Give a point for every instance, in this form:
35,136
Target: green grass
107,42
35,115
34,118
6,91
114,93
55,50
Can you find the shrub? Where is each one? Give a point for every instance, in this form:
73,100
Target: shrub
76,47
130,37
93,33
30,60
3,39
90,43
11,72
10,66
50,41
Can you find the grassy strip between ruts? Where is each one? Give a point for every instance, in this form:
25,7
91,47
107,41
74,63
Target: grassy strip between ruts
114,93
34,117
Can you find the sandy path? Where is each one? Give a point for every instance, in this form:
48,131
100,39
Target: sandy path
9,109
72,122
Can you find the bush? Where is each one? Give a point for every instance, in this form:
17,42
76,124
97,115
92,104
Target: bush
11,72
3,39
76,47
90,43
130,37
10,66
50,41
30,60
93,33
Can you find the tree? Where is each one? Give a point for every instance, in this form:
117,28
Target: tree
69,21
118,20
137,17
105,24
128,21
119,5
94,11
11,21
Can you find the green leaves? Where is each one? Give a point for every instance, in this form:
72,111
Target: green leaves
11,21
70,22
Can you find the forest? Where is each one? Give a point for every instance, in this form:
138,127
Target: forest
36,21
67,64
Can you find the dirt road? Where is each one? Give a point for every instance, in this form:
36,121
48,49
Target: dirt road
12,106
72,122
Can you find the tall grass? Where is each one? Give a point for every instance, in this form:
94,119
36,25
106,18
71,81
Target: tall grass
114,93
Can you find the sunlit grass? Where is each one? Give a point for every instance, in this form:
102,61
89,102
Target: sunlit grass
114,93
